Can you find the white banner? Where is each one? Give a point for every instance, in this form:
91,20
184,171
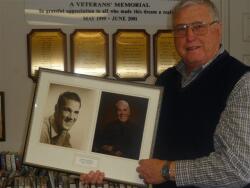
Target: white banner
96,12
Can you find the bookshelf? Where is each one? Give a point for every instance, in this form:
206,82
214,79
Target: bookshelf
13,174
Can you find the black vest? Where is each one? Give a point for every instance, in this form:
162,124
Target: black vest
189,115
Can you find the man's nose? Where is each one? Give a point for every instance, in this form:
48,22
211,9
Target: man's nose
190,33
71,115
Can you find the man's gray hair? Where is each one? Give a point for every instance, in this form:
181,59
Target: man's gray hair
184,3
122,102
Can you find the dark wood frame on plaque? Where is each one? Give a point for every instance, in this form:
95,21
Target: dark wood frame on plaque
2,117
47,46
134,39
165,55
96,48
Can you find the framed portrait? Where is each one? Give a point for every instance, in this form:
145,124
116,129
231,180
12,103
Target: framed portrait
2,117
80,123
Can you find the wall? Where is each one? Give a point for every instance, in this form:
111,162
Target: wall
239,28
14,80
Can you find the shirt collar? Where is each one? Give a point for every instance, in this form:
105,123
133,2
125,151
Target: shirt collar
188,78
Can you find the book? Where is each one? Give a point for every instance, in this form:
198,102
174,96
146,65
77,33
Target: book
27,182
18,162
51,179
13,161
3,162
8,161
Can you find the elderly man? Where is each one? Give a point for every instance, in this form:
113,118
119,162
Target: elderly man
203,136
120,137
204,127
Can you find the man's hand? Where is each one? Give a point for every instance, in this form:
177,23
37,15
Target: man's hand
92,177
150,170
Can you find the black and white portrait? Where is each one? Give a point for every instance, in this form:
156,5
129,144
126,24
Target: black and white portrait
67,117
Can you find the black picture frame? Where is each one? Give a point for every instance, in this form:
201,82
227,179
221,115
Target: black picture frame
2,117
83,159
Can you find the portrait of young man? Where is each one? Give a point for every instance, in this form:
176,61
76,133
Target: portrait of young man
67,117
56,127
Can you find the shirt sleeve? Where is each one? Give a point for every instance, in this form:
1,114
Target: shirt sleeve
229,164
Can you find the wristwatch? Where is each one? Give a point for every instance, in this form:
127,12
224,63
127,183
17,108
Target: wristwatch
165,171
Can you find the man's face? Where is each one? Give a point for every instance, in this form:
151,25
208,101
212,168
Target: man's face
123,112
197,50
68,114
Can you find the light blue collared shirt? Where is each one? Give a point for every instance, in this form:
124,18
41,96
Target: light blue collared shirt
188,78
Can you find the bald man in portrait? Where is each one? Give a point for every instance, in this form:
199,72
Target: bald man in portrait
121,137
